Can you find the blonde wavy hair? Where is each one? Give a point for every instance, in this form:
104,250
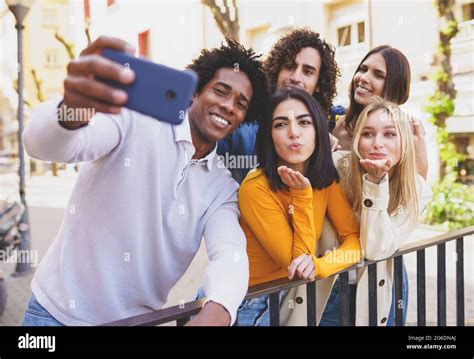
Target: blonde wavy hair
402,184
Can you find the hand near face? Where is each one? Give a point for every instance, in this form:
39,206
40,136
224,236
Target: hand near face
417,127
420,148
293,179
376,169
418,134
334,143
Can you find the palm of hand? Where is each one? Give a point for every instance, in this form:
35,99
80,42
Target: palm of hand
293,179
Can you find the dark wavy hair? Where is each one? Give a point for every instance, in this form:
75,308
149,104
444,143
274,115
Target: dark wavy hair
284,53
396,87
235,56
321,171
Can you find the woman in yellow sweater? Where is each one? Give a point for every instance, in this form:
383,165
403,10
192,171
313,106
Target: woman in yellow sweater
283,202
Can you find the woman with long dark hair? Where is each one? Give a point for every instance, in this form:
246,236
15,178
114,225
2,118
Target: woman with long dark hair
385,72
284,201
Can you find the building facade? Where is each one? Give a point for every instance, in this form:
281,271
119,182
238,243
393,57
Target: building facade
44,63
174,32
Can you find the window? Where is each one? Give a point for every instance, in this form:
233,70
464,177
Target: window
87,10
51,57
468,12
351,34
344,36
144,44
361,32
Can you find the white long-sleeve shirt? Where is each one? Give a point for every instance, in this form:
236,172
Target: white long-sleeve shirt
381,235
135,219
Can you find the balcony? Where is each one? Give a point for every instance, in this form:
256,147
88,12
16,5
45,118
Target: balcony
462,48
465,34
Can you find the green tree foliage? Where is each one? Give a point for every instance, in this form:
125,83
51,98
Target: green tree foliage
453,202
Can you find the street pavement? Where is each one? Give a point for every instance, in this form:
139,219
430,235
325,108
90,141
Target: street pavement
47,197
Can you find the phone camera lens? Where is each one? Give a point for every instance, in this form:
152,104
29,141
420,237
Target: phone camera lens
170,95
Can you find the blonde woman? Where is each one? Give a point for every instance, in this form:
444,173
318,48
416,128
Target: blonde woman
381,182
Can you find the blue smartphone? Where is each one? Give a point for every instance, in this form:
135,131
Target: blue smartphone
157,91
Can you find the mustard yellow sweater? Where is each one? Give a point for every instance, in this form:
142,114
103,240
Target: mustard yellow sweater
283,225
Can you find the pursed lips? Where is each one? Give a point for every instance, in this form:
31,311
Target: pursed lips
295,146
377,154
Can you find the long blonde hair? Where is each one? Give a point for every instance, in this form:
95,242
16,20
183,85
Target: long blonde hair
402,184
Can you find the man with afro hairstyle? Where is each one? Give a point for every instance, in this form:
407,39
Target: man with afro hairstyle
301,58
147,194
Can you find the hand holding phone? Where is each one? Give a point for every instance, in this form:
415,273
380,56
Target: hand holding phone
157,91
82,90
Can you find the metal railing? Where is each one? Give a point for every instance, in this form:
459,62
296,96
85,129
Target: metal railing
183,312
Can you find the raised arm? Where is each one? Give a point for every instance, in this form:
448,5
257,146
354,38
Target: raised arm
57,133
420,149
46,140
83,90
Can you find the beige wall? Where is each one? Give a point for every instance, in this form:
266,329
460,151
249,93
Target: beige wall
180,29
37,38
176,27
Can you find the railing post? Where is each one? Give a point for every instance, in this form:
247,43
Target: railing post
275,309
399,304
181,322
420,288
442,284
344,294
373,294
311,303
460,282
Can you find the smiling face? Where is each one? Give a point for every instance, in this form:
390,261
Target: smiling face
379,138
220,107
293,134
303,72
369,80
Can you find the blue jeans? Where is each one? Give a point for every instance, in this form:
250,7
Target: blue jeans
37,316
391,316
255,312
252,312
331,314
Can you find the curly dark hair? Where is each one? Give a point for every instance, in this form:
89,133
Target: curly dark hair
234,55
284,53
